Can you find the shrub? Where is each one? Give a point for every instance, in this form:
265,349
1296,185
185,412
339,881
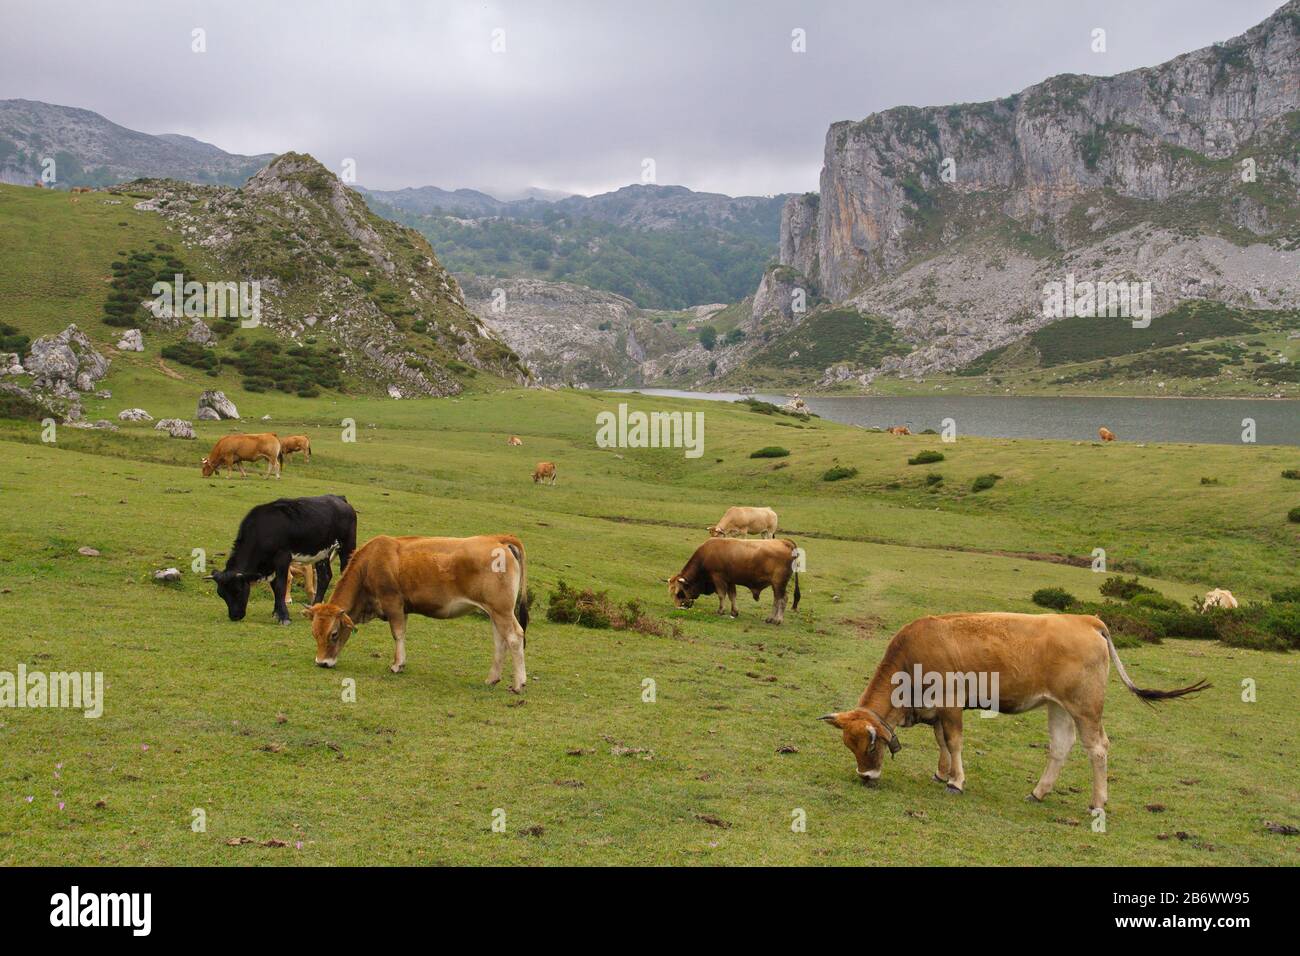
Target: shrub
1057,598
594,609
1209,481
838,473
984,482
1289,595
708,337
927,457
771,451
1293,515
191,354
934,478
1156,601
1292,473
1118,586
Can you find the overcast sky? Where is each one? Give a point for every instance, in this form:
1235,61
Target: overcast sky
582,92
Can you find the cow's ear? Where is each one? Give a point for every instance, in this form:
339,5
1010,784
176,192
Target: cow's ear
309,611
347,620
835,720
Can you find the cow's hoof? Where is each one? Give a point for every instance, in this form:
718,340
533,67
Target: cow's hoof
956,791
516,690
397,668
1033,798
492,681
939,779
282,621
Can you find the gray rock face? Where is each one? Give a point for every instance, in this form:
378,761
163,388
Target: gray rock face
200,333
783,290
132,340
176,427
134,415
947,221
10,364
216,403
65,363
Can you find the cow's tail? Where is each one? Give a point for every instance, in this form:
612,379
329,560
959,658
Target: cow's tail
794,547
521,596
1142,692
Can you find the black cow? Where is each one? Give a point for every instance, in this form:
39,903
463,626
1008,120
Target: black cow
271,536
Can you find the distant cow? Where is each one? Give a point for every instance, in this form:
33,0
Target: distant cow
294,443
232,451
898,430
390,578
1219,598
274,535
742,521
1105,434
514,440
544,470
1028,660
82,189
720,565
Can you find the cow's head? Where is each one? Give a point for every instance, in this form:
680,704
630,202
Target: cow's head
680,591
331,627
714,531
868,738
233,588
208,468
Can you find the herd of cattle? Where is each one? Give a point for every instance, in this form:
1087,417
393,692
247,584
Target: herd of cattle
1060,661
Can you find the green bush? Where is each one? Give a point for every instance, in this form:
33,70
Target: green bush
984,482
933,478
1293,515
838,473
1289,595
1057,598
191,354
1292,473
1118,586
927,457
771,451
585,608
1156,601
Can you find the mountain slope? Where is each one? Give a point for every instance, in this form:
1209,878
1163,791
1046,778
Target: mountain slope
89,150
950,221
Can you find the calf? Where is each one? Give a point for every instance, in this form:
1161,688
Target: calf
1105,434
1219,597
390,578
1022,661
719,565
232,451
741,521
545,470
274,535
514,440
294,443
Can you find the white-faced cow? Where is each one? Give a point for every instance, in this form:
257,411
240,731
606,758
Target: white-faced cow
741,521
1020,661
720,565
390,578
274,535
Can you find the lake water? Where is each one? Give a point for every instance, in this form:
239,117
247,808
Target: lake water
1200,420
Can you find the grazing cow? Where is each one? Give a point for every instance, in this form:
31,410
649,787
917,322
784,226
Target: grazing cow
232,451
1105,434
514,440
82,189
300,572
719,565
294,443
390,578
1219,597
742,521
274,535
1019,662
898,430
543,471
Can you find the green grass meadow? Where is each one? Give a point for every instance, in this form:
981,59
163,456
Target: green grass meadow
233,720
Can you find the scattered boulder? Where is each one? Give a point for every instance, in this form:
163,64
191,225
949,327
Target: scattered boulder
103,424
208,414
167,574
200,334
10,364
134,415
217,402
88,552
103,393
131,341
394,391
66,363
176,427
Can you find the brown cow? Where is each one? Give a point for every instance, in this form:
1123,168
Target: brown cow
293,443
82,189
544,470
1008,663
898,430
720,564
389,578
1105,434
232,451
741,521
305,572
514,440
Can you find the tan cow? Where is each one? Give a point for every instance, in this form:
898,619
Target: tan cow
1219,597
514,441
1010,663
232,451
304,572
295,443
389,578
543,471
719,565
898,430
1105,434
741,521
82,189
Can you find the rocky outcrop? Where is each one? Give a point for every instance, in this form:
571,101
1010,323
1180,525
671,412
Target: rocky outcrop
65,364
131,341
176,427
134,415
947,221
214,406
11,364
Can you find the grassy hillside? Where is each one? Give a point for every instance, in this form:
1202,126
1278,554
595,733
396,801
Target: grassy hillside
233,719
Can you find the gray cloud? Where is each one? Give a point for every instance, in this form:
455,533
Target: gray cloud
584,90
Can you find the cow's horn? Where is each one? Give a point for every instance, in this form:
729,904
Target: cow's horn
829,718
